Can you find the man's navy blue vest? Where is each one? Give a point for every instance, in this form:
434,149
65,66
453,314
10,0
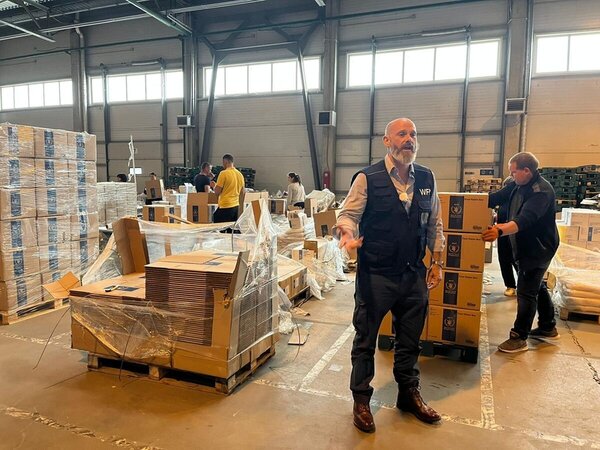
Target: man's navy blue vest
394,240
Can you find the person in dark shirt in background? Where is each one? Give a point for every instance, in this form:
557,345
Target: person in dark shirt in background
121,178
533,234
505,254
203,181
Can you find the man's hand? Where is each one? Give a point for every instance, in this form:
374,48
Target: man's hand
347,240
434,276
491,234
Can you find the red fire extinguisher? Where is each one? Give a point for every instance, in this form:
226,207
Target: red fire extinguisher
327,179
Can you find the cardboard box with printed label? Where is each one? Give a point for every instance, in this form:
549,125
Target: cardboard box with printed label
16,140
53,201
325,221
318,246
20,293
81,146
458,290
82,173
55,257
297,220
16,173
17,203
160,213
310,207
467,213
300,254
51,173
201,207
85,199
53,230
278,206
464,251
83,254
51,144
178,200
18,233
154,189
453,326
387,327
246,198
19,263
84,226
299,281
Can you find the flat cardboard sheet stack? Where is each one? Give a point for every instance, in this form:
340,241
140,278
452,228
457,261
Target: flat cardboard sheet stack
116,200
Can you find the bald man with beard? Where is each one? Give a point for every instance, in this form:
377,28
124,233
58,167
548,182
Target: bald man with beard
392,214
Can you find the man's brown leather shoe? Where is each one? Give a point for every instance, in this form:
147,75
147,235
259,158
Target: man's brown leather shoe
411,401
363,419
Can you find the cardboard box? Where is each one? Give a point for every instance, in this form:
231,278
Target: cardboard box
467,213
201,207
131,245
325,221
18,233
458,290
51,173
594,234
489,252
154,189
50,143
17,203
310,207
55,257
84,226
17,173
82,173
318,246
83,254
299,281
453,326
593,246
85,199
464,251
246,198
300,254
278,206
16,140
159,213
387,327
178,200
51,277
568,232
81,146
19,263
291,277
20,293
53,201
53,230
297,220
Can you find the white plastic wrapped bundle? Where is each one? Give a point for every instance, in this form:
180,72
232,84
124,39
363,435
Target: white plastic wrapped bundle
324,199
116,200
576,272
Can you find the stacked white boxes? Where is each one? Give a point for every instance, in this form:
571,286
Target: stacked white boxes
116,200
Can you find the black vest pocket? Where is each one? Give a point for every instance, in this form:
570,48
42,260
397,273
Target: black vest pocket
380,255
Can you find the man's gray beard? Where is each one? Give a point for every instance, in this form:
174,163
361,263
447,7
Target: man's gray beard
406,159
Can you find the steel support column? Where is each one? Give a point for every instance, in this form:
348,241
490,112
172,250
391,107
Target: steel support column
106,109
330,62
190,99
164,125
372,98
465,104
79,81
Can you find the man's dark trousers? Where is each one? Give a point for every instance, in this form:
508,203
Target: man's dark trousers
406,296
532,296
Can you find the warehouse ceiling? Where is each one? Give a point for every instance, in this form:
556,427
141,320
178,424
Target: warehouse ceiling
43,18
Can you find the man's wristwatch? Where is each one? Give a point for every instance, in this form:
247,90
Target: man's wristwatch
437,263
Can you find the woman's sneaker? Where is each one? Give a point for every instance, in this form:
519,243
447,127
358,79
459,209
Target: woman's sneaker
538,333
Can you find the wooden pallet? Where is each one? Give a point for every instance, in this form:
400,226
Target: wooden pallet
32,311
565,313
202,382
431,349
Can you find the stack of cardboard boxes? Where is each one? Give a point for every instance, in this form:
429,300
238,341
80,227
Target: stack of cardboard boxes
580,228
483,185
454,306
48,210
116,200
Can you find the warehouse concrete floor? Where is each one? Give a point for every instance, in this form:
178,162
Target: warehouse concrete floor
545,398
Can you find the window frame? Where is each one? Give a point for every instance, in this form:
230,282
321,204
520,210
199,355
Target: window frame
567,72
33,83
91,79
269,93
496,76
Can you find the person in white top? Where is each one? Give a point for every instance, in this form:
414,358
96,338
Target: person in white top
295,190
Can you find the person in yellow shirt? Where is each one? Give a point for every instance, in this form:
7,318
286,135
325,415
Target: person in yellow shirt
230,184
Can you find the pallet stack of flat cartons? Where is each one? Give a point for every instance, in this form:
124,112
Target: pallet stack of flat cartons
41,191
116,200
454,305
580,228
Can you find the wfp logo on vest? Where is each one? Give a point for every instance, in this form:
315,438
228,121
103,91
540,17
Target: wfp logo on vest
426,192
